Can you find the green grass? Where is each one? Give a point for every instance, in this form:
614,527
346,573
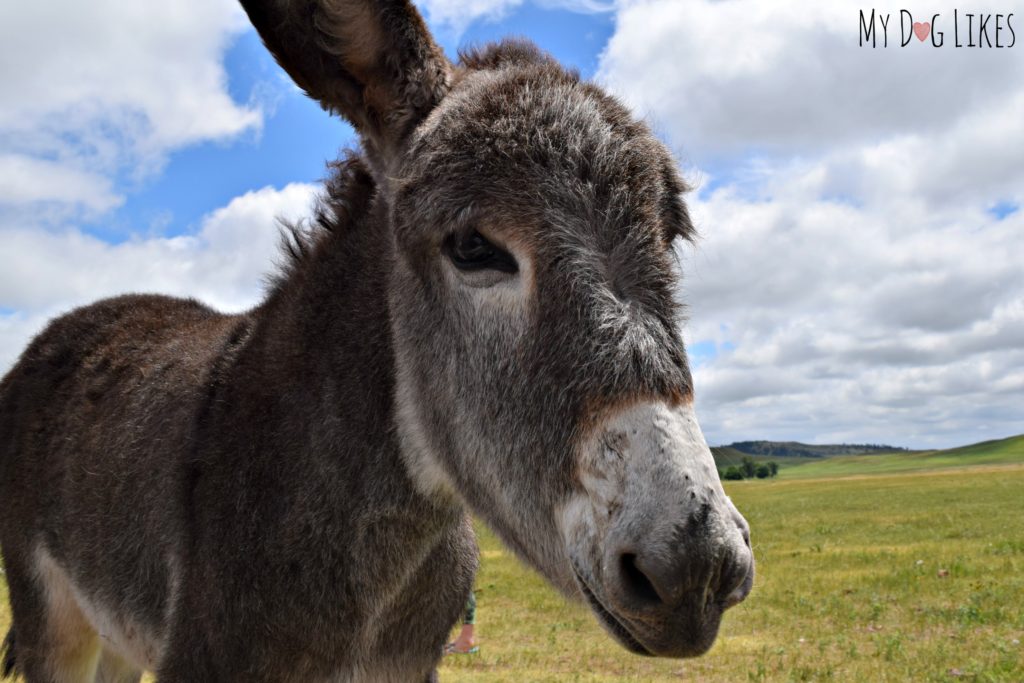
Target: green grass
1001,452
906,577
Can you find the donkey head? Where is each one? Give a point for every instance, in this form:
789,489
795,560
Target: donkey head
541,377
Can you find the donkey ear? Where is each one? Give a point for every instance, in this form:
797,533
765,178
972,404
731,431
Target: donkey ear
372,61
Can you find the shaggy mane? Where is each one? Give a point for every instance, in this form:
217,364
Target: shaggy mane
348,191
509,52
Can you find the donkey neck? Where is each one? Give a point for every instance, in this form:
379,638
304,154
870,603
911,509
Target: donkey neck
298,462
317,375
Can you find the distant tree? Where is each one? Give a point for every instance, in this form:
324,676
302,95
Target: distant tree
773,468
763,471
748,467
732,473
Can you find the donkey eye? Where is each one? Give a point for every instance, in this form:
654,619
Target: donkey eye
474,252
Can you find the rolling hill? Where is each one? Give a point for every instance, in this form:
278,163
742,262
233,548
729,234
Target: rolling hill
789,453
804,461
998,452
795,449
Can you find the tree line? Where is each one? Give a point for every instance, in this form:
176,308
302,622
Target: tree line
748,469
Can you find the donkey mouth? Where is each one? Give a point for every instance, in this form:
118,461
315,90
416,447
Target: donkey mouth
681,634
608,618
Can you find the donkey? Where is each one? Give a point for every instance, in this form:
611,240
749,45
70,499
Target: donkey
480,316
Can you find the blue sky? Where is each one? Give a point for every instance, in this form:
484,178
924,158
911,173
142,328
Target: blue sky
858,273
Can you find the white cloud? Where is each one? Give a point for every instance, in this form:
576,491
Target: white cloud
27,180
44,273
850,273
840,322
93,88
723,78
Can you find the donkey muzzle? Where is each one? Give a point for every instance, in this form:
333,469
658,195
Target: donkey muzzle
658,550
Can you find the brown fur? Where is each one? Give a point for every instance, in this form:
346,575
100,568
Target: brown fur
279,495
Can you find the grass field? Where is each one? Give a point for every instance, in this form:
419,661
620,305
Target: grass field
905,577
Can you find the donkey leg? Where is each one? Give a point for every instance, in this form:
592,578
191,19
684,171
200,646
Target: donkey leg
54,642
114,669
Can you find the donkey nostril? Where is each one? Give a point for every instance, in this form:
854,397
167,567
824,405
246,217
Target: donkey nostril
744,528
737,589
652,579
635,582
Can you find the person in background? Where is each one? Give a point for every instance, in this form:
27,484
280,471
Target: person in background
465,643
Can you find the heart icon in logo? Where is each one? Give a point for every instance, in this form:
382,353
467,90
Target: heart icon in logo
922,29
